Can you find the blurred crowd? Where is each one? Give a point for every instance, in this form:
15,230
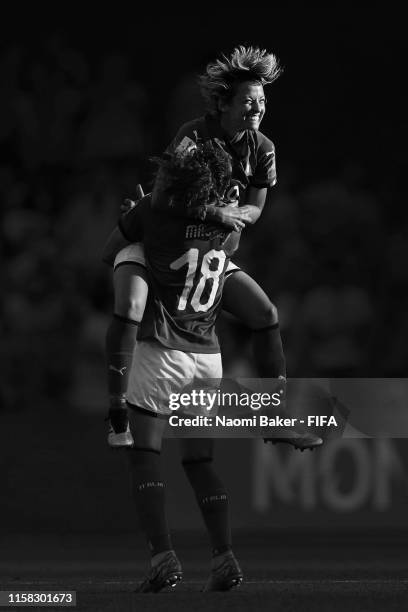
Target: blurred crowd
75,137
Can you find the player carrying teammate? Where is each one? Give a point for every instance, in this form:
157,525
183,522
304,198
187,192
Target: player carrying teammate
186,263
234,90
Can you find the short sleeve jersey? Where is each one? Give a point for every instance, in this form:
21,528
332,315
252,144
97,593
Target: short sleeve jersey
186,264
253,154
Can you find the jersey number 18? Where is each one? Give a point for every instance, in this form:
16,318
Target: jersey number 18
190,258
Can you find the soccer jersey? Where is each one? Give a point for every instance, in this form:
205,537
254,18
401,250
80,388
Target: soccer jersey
186,262
253,154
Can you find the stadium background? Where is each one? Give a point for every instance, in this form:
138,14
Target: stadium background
85,102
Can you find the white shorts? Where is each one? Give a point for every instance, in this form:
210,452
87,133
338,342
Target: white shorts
159,374
134,253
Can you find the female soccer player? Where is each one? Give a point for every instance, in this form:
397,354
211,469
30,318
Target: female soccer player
177,346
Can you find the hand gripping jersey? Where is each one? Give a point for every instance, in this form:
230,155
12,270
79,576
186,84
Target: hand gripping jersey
252,153
186,262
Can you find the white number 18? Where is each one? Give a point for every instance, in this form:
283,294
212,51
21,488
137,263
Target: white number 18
190,258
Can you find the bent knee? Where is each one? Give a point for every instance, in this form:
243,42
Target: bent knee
265,316
130,308
130,289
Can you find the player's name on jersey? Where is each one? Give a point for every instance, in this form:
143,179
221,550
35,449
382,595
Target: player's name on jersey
201,231
257,420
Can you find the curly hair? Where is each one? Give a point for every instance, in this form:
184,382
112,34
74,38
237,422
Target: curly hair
221,77
195,175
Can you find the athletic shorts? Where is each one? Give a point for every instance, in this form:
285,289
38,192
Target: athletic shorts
134,253
159,375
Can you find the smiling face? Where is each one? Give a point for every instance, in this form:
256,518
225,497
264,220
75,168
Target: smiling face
245,110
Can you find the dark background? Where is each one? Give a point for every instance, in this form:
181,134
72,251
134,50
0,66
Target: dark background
86,100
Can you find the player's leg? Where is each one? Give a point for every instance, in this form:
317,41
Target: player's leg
155,370
130,294
148,489
197,460
245,299
212,498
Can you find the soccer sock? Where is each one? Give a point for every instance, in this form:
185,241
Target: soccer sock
149,495
270,359
213,501
120,342
268,352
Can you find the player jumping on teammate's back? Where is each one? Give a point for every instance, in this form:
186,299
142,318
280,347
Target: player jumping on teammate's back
233,88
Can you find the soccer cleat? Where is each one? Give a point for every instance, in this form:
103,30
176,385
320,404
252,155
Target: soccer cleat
225,576
167,573
119,435
300,440
119,439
